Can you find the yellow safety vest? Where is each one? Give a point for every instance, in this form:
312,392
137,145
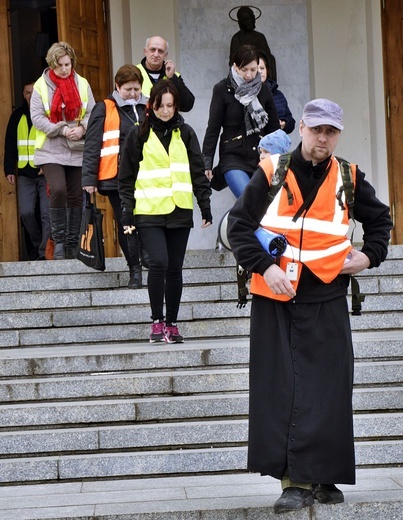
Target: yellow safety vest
25,143
147,83
163,181
42,88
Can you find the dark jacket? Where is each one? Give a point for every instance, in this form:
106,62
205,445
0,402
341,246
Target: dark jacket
249,209
10,144
93,141
237,151
283,111
186,98
129,167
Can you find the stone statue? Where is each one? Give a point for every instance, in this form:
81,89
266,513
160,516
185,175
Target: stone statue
248,36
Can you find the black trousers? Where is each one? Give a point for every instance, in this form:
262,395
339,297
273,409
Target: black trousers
166,248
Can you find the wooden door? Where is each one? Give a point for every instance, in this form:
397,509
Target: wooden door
392,35
83,24
9,220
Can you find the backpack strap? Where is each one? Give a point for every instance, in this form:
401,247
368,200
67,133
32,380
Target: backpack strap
348,186
278,177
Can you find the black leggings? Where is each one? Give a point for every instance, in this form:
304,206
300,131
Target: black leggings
65,185
166,249
132,254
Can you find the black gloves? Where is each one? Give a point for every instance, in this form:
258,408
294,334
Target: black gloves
206,215
127,218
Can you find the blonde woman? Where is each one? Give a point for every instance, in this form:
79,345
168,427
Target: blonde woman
61,104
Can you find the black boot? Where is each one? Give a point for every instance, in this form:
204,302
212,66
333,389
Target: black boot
73,231
136,279
57,218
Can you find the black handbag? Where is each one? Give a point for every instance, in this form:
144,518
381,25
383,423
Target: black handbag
91,243
218,181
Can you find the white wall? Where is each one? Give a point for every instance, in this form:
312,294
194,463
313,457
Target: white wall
347,68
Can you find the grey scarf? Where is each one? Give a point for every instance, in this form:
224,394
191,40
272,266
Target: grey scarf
246,93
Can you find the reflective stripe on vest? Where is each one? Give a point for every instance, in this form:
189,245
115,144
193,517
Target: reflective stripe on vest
163,180
108,164
42,88
25,143
318,240
147,83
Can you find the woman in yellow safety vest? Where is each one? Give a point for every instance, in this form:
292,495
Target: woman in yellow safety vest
160,170
109,123
60,108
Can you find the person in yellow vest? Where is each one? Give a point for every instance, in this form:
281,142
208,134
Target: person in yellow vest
109,123
154,67
31,184
301,355
160,170
61,104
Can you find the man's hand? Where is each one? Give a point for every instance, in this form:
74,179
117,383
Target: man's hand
358,262
169,69
209,174
11,179
278,282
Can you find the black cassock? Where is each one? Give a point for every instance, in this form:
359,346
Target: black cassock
301,381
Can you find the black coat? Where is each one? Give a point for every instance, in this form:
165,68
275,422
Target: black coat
93,142
283,110
301,358
129,166
186,97
11,146
237,150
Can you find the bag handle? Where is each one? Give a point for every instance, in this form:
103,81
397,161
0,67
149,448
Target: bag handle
90,198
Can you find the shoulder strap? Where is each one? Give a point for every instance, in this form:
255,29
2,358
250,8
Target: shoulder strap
278,178
348,185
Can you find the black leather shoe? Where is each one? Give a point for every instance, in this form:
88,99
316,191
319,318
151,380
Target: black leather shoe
327,494
293,498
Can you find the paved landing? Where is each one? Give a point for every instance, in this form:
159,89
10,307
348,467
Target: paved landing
378,494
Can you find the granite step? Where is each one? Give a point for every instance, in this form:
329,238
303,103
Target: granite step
116,357
186,435
168,462
197,321
151,409
387,315
179,382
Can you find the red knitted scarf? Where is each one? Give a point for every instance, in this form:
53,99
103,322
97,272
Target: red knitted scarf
66,98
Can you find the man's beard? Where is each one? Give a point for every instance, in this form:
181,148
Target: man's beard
319,154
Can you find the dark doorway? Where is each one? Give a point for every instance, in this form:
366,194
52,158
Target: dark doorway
33,30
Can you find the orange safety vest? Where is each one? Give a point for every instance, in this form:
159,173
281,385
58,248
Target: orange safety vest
318,239
108,164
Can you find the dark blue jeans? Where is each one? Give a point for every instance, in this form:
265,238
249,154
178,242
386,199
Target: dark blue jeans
237,181
166,248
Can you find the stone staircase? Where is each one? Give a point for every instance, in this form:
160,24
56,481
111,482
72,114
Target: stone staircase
84,396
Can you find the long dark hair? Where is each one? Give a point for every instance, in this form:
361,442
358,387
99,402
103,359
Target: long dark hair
163,86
